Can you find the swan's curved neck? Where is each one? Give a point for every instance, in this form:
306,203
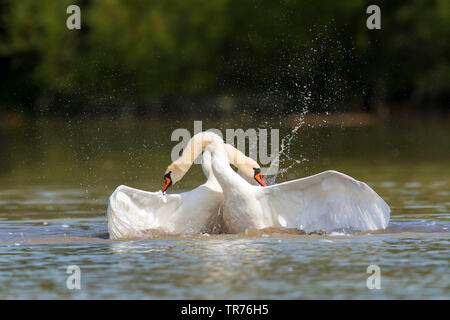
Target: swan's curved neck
225,175
206,165
215,161
193,149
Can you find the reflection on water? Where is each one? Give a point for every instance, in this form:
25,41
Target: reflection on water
59,219
413,266
44,231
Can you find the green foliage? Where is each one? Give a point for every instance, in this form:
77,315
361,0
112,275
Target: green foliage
311,53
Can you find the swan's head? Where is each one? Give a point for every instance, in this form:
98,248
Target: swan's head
173,174
248,168
251,171
257,175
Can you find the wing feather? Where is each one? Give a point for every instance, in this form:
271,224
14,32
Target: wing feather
132,210
325,202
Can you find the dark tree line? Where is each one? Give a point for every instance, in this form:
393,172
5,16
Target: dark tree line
219,55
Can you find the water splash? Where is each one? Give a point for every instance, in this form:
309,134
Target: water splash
284,154
162,195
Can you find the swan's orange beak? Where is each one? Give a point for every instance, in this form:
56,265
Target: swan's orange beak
259,177
167,182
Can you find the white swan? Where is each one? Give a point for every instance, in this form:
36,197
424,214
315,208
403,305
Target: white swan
323,202
131,211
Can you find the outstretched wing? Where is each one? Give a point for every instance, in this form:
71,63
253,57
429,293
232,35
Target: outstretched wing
325,202
132,210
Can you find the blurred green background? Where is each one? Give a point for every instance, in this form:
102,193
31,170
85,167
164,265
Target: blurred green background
97,106
219,56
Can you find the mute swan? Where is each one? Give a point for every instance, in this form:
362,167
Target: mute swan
323,202
132,211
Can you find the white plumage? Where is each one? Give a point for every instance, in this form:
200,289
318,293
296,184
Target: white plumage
323,202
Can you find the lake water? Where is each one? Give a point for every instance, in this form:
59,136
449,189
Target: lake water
56,177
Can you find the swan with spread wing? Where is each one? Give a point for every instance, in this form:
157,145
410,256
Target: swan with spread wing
132,212
323,202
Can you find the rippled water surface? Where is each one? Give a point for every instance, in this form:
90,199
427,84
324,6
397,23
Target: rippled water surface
48,224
